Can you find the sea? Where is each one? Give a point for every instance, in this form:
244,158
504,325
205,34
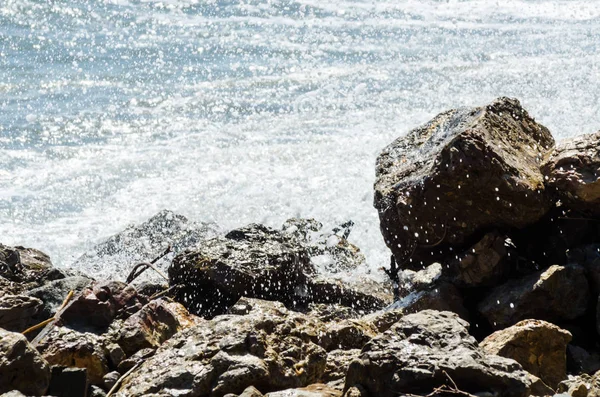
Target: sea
237,112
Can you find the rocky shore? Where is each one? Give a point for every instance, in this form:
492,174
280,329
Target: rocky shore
493,290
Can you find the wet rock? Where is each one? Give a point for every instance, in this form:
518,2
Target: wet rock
484,264
329,252
251,391
54,293
540,347
331,312
559,293
427,289
21,366
347,334
142,243
152,325
68,382
338,362
69,348
356,391
423,351
136,359
17,312
383,320
23,268
269,347
316,390
465,171
573,171
258,262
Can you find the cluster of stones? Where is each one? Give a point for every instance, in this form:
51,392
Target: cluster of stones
494,228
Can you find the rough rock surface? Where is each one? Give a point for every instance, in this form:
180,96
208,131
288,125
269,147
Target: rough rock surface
69,348
338,362
144,242
464,171
316,390
54,293
152,325
22,368
423,350
573,170
267,347
258,262
17,312
581,386
540,347
555,294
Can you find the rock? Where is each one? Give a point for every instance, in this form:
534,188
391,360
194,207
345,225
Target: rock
269,347
423,351
573,170
331,312
102,302
581,386
580,360
559,293
540,347
110,379
69,348
136,359
17,312
115,354
316,390
383,320
347,334
329,252
428,289
116,256
257,262
22,269
152,325
68,382
54,293
484,264
588,256
465,171
251,391
338,362
21,366
356,391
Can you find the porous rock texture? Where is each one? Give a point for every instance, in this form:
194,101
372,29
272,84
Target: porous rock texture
573,172
428,349
464,171
22,368
540,347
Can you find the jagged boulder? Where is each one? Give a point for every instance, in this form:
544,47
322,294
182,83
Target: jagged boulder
556,294
17,311
267,347
258,262
583,385
69,348
116,256
22,368
573,172
540,347
465,171
429,349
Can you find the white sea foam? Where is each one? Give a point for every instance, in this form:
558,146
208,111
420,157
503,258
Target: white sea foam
257,111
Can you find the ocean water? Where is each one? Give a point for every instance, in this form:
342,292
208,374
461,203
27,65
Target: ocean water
256,111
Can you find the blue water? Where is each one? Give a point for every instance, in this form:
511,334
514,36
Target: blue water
255,111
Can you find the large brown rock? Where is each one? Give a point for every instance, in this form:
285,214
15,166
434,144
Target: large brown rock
573,171
257,262
22,368
265,346
556,294
465,171
69,348
428,349
540,347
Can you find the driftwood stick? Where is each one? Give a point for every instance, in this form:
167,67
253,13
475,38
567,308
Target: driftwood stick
118,382
38,326
51,322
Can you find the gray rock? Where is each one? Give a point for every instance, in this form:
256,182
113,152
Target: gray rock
21,366
464,171
428,349
558,293
316,390
68,382
258,262
338,362
54,293
116,256
251,391
573,171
